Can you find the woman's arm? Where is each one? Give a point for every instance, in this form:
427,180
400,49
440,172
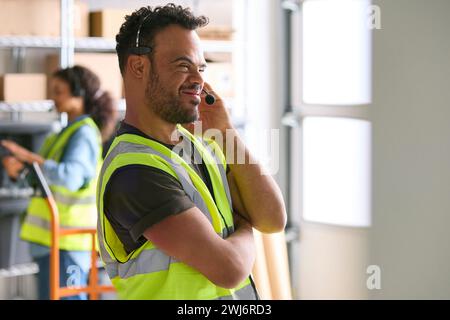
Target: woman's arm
78,163
21,153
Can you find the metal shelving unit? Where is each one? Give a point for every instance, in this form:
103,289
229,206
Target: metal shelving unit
68,44
18,45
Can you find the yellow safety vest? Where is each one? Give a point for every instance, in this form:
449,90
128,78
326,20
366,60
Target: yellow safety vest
147,272
76,209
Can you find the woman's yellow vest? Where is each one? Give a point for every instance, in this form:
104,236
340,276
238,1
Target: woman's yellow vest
147,272
76,209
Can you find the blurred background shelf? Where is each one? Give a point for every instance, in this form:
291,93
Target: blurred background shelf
93,44
19,270
29,42
32,106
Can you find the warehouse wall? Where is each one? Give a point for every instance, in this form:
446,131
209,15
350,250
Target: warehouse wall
410,240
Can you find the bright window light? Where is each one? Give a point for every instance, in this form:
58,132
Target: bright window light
337,171
336,52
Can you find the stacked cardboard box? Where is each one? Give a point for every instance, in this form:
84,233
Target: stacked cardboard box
106,23
21,87
215,32
40,18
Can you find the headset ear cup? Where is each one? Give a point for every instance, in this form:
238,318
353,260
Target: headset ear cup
78,91
140,50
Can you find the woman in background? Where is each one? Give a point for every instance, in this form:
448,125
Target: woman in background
70,161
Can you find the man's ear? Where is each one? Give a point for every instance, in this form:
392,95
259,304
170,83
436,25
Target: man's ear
137,65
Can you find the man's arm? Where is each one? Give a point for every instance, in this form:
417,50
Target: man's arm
254,193
257,197
190,238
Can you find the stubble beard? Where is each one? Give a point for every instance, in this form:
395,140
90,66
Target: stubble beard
167,106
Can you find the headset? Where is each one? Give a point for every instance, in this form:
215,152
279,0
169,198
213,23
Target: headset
210,99
137,49
77,89
142,50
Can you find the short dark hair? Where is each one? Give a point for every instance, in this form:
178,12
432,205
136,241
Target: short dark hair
156,19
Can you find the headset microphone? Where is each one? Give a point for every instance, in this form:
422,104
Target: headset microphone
210,99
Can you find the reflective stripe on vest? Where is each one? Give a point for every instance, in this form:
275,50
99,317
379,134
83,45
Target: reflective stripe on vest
70,200
45,224
148,273
76,209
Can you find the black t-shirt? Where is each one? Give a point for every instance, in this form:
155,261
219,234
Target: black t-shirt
139,196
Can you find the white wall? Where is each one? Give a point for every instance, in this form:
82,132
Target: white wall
410,238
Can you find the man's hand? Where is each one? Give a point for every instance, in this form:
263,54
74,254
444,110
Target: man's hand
252,191
213,116
240,221
12,166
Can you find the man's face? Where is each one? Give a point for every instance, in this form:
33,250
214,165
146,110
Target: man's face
175,80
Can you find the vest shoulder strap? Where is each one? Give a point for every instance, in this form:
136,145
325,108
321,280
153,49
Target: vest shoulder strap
58,143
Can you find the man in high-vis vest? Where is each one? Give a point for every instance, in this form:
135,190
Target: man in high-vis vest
176,210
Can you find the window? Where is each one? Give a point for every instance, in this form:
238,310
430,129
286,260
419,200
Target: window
336,171
335,59
336,52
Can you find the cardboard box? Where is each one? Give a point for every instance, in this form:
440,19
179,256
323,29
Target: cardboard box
215,32
40,18
106,23
21,87
104,65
